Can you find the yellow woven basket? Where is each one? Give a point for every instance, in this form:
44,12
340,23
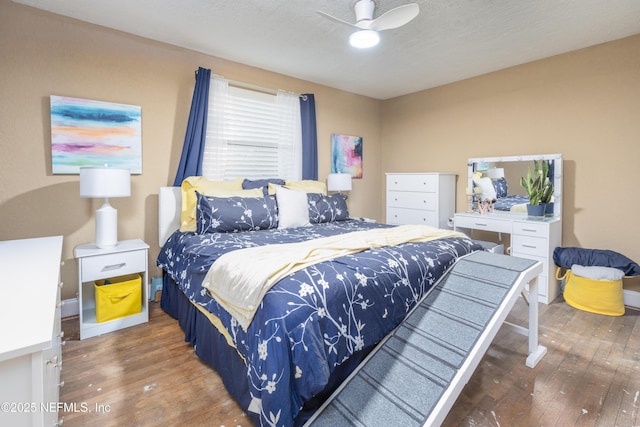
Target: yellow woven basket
595,296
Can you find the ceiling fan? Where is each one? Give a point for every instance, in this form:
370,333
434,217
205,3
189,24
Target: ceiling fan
368,26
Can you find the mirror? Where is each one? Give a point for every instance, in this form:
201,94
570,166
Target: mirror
514,167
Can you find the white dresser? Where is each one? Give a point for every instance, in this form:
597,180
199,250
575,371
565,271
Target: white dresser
530,238
421,198
30,348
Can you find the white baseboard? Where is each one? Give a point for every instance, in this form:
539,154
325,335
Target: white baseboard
70,307
631,298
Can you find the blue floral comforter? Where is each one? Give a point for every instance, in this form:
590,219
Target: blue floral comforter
315,319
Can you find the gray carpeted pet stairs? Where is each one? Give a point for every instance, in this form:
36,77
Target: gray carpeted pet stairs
415,375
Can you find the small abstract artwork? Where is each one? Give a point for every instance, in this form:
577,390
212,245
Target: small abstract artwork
346,155
94,133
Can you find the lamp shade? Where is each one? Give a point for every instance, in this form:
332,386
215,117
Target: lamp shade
339,182
105,182
99,182
495,173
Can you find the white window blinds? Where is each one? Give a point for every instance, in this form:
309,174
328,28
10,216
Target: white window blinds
252,134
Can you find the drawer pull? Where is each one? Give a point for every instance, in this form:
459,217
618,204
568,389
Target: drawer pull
529,230
113,266
529,246
481,224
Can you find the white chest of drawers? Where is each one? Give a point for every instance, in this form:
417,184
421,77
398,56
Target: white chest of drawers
30,344
530,238
420,198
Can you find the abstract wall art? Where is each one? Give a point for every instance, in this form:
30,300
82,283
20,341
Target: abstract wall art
346,155
94,133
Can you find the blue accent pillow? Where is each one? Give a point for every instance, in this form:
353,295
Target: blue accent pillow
235,214
327,208
501,187
248,184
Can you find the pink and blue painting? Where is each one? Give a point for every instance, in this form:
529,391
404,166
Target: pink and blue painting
346,155
94,133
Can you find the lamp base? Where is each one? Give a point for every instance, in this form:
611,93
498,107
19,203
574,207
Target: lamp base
106,226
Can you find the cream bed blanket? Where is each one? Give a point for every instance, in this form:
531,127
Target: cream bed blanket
239,279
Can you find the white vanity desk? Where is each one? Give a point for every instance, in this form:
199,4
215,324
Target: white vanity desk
531,238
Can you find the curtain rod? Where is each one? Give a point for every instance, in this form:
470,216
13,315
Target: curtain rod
258,88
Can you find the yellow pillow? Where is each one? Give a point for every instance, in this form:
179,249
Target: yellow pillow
210,188
308,186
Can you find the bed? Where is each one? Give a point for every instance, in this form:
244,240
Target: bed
315,324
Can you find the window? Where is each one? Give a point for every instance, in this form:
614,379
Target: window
252,134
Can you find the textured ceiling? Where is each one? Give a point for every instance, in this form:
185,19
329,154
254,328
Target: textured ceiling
450,40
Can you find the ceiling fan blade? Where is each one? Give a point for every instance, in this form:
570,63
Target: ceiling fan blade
395,18
333,18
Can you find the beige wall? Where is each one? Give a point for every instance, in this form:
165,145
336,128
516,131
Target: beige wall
584,105
42,54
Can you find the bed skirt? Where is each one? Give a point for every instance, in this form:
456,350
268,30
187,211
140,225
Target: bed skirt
213,349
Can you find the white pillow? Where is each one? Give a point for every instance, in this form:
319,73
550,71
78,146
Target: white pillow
293,208
596,272
488,190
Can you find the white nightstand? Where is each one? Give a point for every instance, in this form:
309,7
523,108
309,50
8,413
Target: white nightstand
127,257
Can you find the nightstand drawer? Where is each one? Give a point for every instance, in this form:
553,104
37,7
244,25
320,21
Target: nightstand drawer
415,200
111,265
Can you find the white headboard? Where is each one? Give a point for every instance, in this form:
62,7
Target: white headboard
169,208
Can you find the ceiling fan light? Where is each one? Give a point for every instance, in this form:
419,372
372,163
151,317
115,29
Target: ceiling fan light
364,38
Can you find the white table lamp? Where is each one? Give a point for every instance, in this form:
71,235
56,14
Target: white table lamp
339,182
105,182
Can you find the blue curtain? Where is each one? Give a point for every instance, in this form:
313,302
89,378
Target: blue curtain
193,148
309,137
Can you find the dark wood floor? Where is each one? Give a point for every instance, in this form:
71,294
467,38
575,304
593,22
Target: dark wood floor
147,376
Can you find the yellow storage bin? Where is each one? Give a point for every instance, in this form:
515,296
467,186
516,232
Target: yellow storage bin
118,297
595,296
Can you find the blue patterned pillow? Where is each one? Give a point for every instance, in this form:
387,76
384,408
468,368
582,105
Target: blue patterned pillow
234,214
327,208
249,184
501,187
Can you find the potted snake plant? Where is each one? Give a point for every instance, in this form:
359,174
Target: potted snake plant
547,197
534,185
